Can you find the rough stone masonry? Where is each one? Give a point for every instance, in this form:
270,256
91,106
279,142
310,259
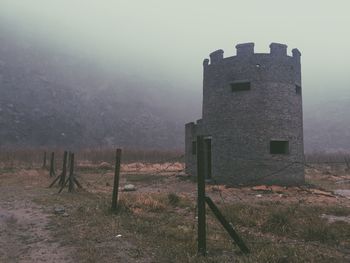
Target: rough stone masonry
252,119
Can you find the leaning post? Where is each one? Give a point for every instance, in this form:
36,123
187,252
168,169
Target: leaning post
116,179
202,246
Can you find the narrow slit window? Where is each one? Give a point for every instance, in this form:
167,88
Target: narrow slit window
194,147
298,89
279,147
240,86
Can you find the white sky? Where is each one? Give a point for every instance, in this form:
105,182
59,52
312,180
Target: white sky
171,38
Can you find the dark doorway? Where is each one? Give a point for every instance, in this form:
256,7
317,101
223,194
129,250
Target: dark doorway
207,156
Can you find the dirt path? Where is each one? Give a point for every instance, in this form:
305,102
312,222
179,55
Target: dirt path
24,229
30,231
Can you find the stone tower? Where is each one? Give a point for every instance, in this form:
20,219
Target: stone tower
251,118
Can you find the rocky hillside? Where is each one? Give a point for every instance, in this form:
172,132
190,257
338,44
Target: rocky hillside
51,98
48,98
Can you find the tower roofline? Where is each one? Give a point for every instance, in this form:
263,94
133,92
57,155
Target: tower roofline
247,49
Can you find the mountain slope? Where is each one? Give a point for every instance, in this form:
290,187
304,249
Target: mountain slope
49,98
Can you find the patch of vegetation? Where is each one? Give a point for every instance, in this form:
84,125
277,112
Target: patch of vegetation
162,227
4,170
277,222
144,178
174,199
293,221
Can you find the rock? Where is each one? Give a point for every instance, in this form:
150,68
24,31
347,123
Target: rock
105,165
184,229
333,218
277,189
320,192
129,188
263,188
65,214
343,192
59,210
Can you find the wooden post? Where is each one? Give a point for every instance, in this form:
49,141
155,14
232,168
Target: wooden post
64,169
52,164
227,226
71,174
202,246
44,160
71,180
116,180
68,159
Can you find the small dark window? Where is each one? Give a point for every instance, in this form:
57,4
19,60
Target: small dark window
298,89
194,147
279,147
240,86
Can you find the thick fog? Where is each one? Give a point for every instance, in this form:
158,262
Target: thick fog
151,52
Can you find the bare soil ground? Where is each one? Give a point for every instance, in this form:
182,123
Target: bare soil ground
157,222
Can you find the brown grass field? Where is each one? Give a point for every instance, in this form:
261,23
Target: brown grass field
157,222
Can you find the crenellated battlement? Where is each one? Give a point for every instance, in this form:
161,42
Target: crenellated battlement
216,56
277,49
247,49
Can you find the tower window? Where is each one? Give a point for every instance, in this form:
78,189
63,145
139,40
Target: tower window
240,86
298,89
194,147
279,147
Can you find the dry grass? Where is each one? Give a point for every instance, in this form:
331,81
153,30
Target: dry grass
171,233
33,157
163,226
323,157
158,224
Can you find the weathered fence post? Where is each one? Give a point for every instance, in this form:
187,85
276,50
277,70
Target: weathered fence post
71,180
52,164
116,180
64,169
71,174
62,176
228,227
44,160
202,243
202,199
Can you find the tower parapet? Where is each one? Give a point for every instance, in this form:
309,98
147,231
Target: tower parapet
296,54
216,56
205,62
277,49
245,49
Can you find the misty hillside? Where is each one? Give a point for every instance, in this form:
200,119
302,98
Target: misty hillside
51,98
327,122
54,99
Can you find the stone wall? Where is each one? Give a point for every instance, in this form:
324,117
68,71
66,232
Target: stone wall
242,123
